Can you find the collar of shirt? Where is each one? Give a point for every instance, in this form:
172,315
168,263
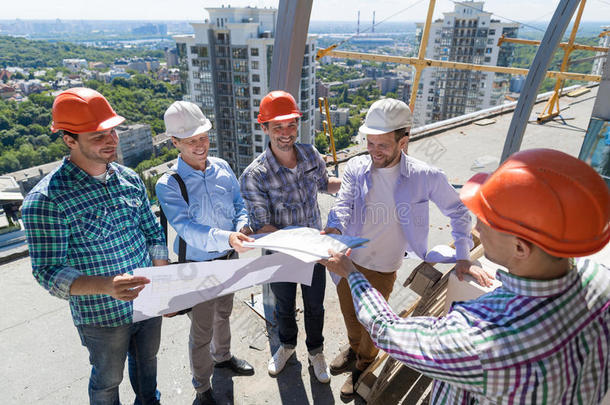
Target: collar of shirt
405,167
185,170
537,288
76,173
274,164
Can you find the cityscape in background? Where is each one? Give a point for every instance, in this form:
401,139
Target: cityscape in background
222,63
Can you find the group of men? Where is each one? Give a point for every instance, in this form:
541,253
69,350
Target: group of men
540,338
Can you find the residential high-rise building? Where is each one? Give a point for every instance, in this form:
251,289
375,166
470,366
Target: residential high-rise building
225,69
135,144
467,34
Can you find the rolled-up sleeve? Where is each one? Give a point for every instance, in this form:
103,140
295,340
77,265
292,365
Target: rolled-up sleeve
256,200
47,234
342,210
322,173
448,201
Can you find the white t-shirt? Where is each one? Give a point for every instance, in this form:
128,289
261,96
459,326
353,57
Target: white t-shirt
386,247
101,177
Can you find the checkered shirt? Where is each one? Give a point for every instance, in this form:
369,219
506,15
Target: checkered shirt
76,225
527,342
280,197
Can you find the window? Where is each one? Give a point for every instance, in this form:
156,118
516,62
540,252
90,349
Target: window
258,149
242,104
256,90
256,78
487,59
240,66
253,51
256,102
258,138
488,50
490,41
254,64
240,53
492,32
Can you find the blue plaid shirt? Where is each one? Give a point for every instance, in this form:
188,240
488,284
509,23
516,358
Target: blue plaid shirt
283,197
76,225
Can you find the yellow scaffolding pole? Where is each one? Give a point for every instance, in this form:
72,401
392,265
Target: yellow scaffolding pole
419,67
327,126
563,45
424,63
551,109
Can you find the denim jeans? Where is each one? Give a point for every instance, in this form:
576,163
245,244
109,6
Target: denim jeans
108,348
313,301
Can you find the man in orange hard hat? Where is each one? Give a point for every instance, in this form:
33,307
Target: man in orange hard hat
544,335
88,225
280,189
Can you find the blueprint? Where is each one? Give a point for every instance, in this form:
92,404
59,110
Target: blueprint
306,244
180,286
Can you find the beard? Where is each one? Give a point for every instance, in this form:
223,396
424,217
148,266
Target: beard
99,157
386,162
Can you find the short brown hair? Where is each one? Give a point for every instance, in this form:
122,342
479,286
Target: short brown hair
70,134
400,133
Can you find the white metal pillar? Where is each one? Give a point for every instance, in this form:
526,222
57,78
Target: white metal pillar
552,38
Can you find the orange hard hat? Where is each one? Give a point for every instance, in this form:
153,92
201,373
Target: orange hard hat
81,110
547,197
278,105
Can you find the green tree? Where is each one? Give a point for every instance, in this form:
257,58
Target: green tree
321,143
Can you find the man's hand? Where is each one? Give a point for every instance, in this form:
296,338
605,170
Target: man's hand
334,185
330,230
268,228
482,277
160,262
339,263
125,287
246,230
236,240
170,315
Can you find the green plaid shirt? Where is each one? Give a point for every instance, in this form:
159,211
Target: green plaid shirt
76,225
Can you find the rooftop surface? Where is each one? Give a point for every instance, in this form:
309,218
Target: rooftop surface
44,362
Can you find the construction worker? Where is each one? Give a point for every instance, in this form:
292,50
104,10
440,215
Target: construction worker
280,188
88,225
213,222
385,198
543,337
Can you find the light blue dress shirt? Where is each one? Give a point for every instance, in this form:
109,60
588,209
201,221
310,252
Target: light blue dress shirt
215,208
418,184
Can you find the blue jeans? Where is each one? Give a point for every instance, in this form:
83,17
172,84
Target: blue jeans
313,301
108,348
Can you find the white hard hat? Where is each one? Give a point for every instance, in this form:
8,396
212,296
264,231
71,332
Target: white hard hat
184,119
385,116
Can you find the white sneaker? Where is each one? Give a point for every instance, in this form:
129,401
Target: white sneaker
279,359
320,368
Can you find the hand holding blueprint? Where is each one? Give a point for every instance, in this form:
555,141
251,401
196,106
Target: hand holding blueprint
305,244
180,286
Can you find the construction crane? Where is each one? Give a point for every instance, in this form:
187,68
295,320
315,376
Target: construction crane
420,62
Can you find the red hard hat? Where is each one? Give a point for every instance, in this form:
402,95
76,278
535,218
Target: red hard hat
276,106
81,110
547,197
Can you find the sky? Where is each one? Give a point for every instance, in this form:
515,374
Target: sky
322,10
